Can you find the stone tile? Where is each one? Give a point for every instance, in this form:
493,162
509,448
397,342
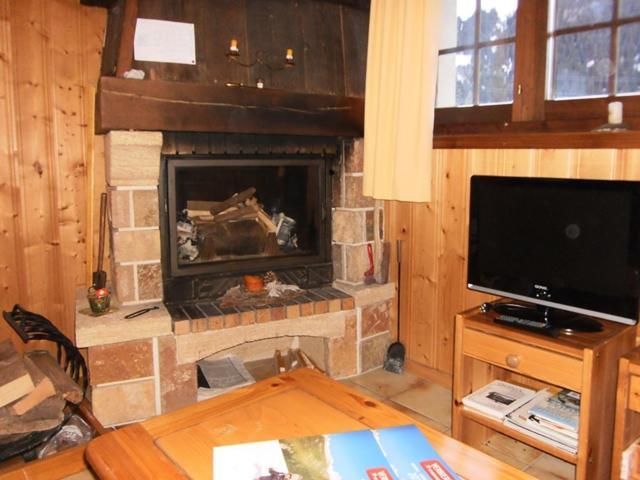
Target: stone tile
354,156
349,382
387,384
123,402
336,258
216,322
136,245
145,208
357,262
503,447
306,308
120,361
354,198
548,467
293,311
178,386
375,319
199,325
180,327
316,349
373,350
278,313
342,354
120,208
428,399
369,226
247,316
132,158
263,315
348,226
348,303
123,282
420,418
149,281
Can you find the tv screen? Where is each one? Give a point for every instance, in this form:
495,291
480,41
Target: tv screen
567,244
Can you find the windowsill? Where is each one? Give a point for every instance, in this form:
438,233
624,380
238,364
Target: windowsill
626,139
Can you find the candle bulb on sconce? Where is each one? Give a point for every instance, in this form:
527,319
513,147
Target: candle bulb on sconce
233,47
288,58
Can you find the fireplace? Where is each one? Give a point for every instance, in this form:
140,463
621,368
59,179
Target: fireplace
233,214
148,361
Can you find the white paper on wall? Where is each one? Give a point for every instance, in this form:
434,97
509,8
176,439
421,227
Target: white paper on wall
164,41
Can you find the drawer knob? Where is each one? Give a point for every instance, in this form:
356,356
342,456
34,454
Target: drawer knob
513,360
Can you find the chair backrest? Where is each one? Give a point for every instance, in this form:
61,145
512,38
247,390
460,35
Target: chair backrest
32,326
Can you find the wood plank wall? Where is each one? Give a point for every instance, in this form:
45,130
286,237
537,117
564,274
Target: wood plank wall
49,66
435,238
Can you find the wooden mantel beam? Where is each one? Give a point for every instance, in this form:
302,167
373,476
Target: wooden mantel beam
125,104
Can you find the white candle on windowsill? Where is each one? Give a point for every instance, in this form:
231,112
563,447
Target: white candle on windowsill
615,113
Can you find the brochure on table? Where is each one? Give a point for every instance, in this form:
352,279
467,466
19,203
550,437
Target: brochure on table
396,453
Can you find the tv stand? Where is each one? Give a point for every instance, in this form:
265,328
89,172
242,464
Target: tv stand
585,363
541,319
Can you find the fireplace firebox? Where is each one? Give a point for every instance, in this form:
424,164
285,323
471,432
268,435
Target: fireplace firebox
225,216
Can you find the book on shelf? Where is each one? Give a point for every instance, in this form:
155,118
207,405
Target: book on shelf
395,453
523,421
498,398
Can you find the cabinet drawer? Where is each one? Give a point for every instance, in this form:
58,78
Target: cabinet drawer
634,393
535,362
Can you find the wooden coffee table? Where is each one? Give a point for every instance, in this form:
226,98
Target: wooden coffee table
299,403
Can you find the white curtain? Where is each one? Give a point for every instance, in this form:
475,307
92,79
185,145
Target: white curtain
402,64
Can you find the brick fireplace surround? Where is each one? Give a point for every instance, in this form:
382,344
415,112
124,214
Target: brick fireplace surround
146,366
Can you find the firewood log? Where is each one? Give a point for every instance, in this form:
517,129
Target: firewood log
233,200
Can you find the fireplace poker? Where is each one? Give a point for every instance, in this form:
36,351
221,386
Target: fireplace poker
100,276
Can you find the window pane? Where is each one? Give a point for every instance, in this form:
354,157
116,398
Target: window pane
496,74
629,8
581,64
628,59
455,79
570,13
458,23
497,19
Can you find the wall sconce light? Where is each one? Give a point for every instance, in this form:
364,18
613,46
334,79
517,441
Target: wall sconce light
272,62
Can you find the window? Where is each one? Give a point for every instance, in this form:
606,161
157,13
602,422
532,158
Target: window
476,62
531,60
593,48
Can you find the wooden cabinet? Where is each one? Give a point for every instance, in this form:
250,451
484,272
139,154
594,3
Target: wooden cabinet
627,425
586,363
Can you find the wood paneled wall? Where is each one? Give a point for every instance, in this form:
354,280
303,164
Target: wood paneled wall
49,65
435,237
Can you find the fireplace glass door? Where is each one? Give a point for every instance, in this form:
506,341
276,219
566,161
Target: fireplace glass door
244,214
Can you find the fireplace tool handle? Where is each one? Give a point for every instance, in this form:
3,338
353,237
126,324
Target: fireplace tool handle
100,276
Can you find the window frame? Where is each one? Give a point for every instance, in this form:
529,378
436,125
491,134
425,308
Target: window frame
530,111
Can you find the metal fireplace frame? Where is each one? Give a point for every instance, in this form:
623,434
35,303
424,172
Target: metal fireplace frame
209,281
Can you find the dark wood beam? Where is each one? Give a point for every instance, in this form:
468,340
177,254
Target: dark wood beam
125,49
124,104
98,3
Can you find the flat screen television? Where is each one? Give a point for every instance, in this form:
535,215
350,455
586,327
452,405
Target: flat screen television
563,245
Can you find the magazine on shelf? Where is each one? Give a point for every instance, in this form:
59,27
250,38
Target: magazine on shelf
558,415
220,375
521,420
396,453
498,398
